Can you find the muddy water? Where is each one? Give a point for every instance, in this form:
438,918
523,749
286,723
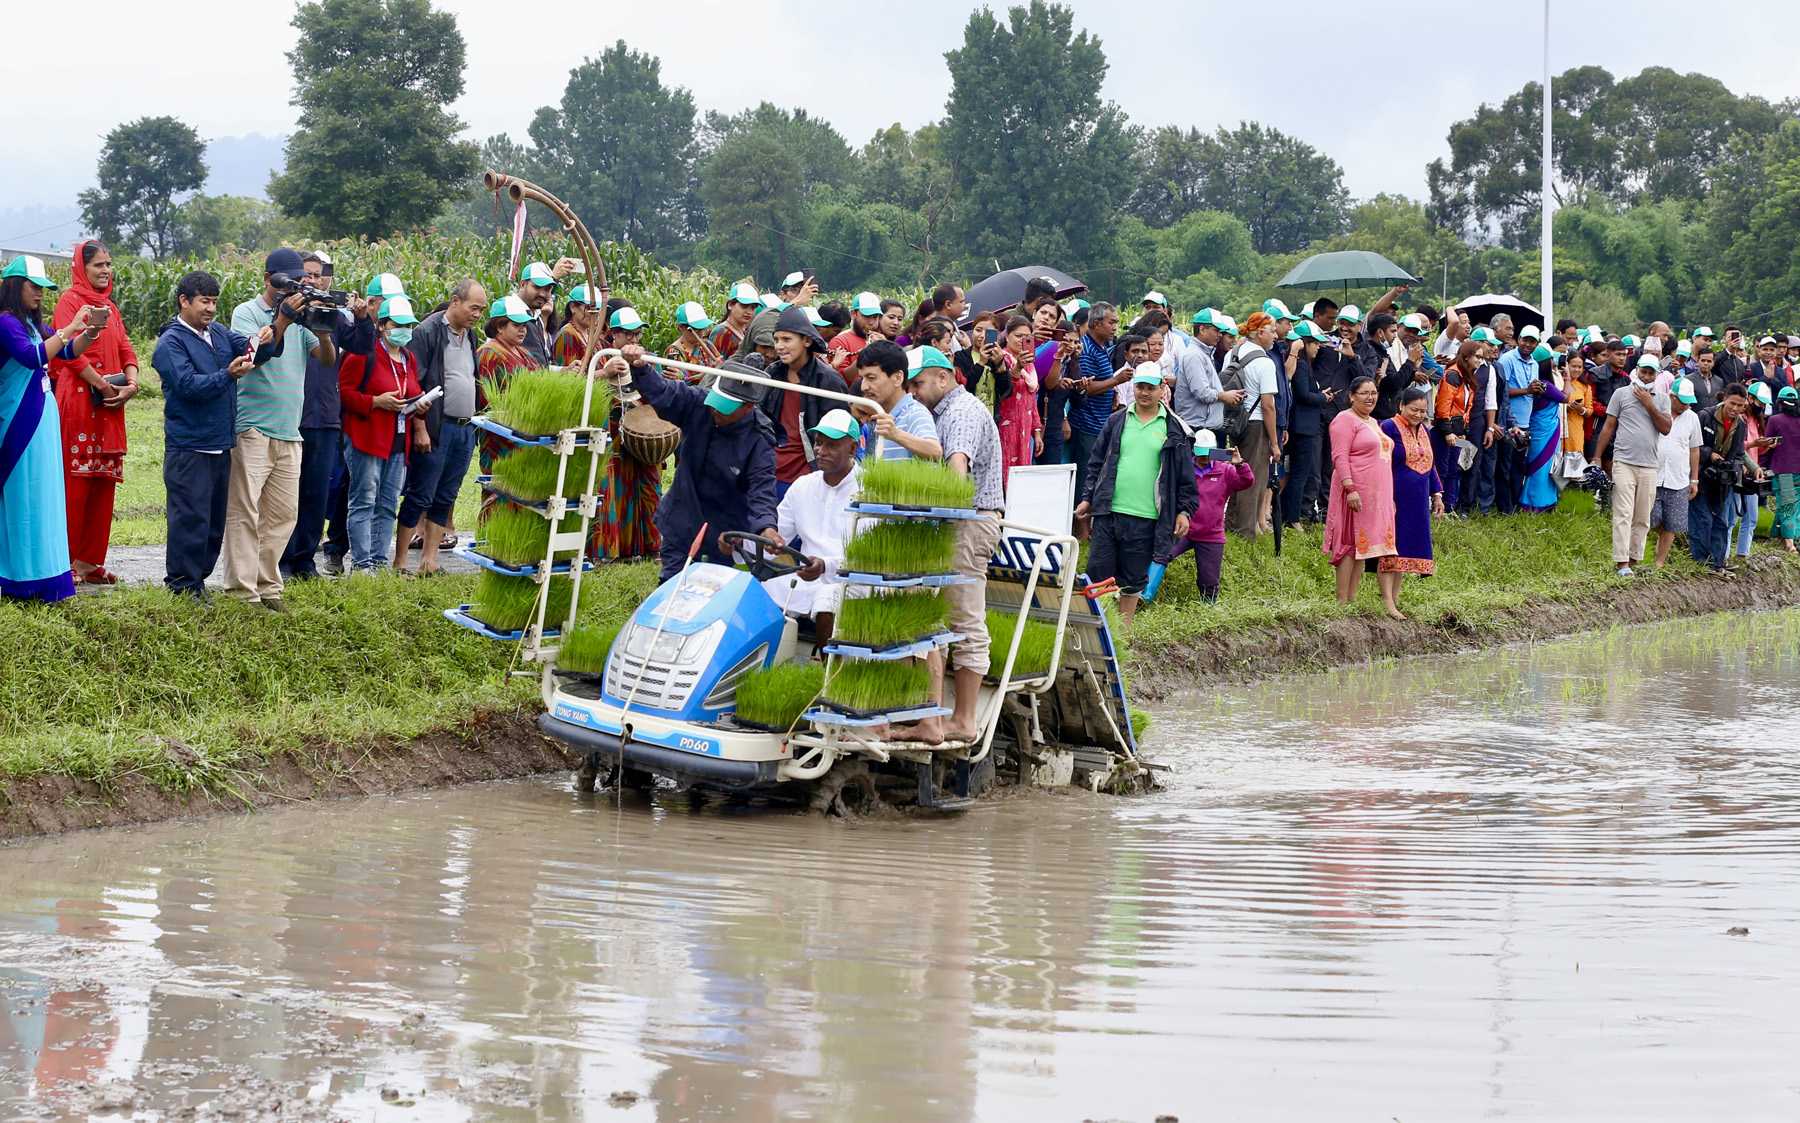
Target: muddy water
1495,885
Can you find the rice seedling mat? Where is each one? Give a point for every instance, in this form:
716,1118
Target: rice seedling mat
462,616
911,581
910,649
534,572
901,511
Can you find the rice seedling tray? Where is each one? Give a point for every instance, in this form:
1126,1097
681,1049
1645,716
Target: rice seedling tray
901,511
463,616
857,719
475,557
911,649
907,580
489,425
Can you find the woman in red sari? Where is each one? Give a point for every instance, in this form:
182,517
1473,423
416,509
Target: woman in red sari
1012,365
91,392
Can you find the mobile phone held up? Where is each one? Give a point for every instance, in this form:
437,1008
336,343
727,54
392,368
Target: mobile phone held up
989,336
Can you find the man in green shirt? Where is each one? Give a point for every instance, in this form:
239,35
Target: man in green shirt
264,495
1141,489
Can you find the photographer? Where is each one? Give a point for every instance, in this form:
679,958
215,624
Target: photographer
265,467
1722,432
352,333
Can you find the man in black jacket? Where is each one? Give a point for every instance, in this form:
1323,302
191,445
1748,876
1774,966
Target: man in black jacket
799,350
1141,490
1722,431
444,345
1306,422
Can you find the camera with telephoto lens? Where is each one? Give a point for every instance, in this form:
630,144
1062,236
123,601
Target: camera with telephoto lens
319,307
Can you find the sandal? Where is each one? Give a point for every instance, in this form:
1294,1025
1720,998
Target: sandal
99,575
418,542
449,542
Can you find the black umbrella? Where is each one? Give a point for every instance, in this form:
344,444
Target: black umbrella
1007,287
1481,309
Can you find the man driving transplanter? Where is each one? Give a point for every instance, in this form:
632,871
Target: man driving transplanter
816,512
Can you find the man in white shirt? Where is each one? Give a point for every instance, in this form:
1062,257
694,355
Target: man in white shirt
1677,468
816,511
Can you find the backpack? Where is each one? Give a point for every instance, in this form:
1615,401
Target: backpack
1237,418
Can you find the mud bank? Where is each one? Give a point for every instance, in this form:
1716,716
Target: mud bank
491,746
1767,581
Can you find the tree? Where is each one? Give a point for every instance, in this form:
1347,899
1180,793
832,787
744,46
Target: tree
1756,279
1286,191
1645,139
143,166
762,169
620,148
374,152
1172,174
212,222
912,171
1042,166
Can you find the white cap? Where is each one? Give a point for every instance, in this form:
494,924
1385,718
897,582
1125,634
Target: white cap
1154,297
1416,322
1204,441
1530,331
1148,373
837,424
795,278
743,293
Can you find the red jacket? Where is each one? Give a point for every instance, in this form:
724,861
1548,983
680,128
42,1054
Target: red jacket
371,430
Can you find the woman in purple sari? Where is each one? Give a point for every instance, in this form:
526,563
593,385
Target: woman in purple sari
1418,495
1544,460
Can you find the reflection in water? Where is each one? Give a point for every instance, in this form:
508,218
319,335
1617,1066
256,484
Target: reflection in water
1433,889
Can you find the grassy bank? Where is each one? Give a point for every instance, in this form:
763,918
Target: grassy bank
142,682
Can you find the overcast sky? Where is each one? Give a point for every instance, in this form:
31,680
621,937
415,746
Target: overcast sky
1377,92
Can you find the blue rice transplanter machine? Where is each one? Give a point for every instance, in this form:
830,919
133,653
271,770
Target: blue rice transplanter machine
664,706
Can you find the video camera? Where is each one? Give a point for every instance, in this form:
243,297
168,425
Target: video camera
318,308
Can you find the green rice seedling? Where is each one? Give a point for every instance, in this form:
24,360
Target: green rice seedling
883,621
585,649
513,535
530,473
774,697
542,402
1036,646
872,687
915,483
892,547
1140,724
507,604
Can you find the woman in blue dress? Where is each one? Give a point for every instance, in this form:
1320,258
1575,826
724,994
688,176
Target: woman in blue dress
1544,460
1418,497
34,528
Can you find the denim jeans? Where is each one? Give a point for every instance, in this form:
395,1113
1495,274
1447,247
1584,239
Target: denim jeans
375,485
1709,527
1080,449
337,508
437,476
1744,513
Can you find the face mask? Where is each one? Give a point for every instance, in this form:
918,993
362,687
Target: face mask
399,337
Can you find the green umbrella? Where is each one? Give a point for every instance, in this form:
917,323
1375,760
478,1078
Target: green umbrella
1347,269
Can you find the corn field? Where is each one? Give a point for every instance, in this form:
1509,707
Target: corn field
429,265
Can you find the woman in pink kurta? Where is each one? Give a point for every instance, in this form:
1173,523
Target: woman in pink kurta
1359,522
1012,363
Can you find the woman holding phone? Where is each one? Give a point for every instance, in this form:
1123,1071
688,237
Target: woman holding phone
379,433
91,392
1010,356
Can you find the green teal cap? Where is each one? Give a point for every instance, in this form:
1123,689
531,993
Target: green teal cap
538,273
1683,389
1542,353
921,358
692,315
626,319
579,295
1789,394
866,304
31,268
1278,310
511,307
837,425
721,402
398,309
385,285
1483,335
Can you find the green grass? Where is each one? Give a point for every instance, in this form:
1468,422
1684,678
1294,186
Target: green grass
542,402
507,604
1140,723
893,546
140,508
882,621
586,648
915,483
776,696
1036,647
363,661
869,686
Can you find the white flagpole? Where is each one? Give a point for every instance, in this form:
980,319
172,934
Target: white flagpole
1545,279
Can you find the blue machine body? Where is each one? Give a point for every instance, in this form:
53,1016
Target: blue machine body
718,624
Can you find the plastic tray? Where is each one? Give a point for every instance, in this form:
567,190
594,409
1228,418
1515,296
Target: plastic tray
475,557
462,617
902,511
914,581
912,649
487,424
863,721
